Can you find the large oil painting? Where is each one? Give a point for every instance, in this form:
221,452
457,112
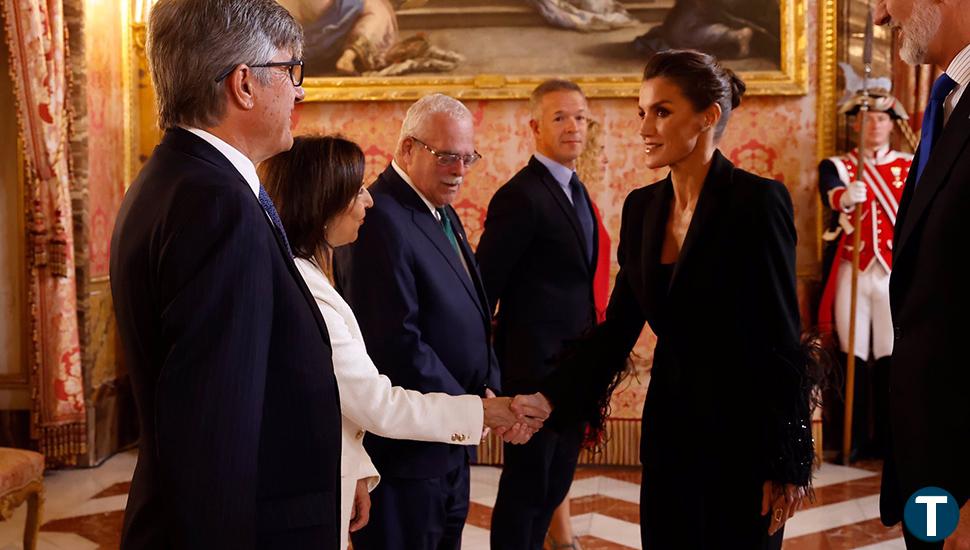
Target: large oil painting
400,49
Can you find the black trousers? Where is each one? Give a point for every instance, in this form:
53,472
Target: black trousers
535,479
697,510
417,514
870,415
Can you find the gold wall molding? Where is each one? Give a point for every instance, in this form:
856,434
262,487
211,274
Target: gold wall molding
141,125
19,379
128,74
826,99
827,96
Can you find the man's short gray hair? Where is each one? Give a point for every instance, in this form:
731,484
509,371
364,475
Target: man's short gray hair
548,87
193,42
423,109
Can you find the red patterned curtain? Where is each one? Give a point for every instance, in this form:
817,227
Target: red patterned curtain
36,38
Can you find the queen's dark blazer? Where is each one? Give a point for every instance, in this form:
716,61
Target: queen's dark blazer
230,365
929,293
725,410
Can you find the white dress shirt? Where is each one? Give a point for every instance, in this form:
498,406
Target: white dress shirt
959,71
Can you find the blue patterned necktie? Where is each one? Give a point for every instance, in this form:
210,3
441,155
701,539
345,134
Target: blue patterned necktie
267,204
933,120
584,213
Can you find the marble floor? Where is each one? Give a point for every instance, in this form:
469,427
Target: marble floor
84,508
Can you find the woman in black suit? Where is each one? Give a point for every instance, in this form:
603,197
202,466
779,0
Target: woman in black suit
707,257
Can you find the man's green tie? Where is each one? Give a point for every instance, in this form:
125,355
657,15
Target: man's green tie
449,231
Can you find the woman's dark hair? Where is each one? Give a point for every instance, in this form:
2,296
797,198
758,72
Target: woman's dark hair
310,184
701,78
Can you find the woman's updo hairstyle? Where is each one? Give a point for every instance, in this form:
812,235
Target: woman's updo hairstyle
701,78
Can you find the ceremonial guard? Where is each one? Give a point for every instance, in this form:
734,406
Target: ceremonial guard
875,196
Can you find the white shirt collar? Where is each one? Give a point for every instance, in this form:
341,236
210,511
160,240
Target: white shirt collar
560,172
241,162
407,179
959,71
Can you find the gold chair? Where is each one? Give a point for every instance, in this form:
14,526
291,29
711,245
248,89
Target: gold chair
22,479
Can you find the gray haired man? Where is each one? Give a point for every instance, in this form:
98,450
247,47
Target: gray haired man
929,422
414,285
229,357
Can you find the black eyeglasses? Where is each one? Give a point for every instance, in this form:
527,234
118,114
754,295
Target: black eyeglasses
448,159
295,68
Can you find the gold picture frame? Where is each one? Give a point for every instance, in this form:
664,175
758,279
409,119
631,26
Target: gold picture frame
791,78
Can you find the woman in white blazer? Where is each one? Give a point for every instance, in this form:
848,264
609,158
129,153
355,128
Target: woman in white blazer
317,187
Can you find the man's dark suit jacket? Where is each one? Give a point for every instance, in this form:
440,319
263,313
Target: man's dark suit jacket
929,293
230,362
533,260
424,319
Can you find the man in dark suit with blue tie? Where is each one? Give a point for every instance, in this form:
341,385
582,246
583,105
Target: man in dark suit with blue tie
229,356
929,290
414,286
538,258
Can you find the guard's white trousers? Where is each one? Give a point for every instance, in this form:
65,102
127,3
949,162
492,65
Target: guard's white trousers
873,321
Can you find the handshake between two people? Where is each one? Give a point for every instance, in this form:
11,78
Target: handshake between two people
515,419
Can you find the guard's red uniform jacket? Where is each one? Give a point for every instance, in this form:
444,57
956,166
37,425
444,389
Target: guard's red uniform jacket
884,179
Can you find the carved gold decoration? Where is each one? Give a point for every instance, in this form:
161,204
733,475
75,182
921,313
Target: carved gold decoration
826,106
141,127
128,34
790,79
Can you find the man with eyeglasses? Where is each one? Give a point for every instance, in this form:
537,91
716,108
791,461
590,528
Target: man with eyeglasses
229,356
414,286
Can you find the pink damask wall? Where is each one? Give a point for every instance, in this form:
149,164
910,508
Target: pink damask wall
105,127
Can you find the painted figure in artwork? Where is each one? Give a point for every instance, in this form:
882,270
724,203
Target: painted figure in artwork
584,15
728,29
875,196
360,37
338,32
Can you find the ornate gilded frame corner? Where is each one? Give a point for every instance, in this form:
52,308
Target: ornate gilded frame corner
141,127
827,98
790,79
826,105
